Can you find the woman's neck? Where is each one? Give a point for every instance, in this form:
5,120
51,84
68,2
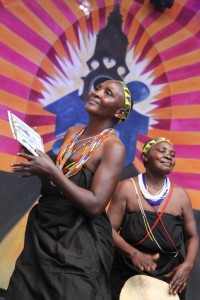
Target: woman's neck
94,128
154,181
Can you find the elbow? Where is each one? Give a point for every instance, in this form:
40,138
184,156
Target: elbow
95,215
95,212
95,207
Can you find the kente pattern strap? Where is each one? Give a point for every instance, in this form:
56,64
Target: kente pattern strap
153,142
127,101
67,150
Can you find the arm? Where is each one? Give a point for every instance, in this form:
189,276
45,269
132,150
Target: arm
181,273
91,202
116,213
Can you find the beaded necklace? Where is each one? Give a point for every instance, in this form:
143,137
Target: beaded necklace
149,229
88,138
157,198
67,150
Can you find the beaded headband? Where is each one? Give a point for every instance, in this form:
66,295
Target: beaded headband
127,101
153,142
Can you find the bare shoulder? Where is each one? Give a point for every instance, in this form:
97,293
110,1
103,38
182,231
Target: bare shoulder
71,130
182,196
120,195
125,188
126,184
180,191
125,192
114,144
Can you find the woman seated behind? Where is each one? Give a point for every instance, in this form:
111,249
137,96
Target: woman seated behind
154,218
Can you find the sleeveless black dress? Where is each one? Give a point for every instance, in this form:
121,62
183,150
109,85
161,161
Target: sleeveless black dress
66,255
133,231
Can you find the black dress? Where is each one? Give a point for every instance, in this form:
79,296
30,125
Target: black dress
67,255
133,231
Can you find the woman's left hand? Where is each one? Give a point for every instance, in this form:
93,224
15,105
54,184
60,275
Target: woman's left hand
40,165
179,276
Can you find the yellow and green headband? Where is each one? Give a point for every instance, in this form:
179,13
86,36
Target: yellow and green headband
153,142
127,101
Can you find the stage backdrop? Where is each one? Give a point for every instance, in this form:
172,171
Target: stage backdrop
54,51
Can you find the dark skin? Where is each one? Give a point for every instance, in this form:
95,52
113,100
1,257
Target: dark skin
159,161
104,107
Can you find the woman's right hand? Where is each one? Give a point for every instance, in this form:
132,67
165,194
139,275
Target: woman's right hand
143,261
41,165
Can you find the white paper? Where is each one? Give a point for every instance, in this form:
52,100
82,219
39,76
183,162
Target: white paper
24,134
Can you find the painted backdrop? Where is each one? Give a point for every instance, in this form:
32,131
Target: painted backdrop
54,51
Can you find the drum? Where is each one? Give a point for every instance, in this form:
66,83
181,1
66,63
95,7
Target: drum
143,287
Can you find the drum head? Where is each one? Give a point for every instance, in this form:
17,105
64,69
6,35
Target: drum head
142,287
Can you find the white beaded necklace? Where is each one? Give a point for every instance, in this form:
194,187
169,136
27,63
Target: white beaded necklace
157,198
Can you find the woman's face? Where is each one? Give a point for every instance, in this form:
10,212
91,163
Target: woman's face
106,99
161,157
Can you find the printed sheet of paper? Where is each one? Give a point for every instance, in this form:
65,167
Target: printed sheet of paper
24,134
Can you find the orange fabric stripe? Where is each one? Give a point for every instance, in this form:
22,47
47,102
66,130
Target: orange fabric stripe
46,129
177,62
37,109
186,85
75,9
164,112
161,22
182,60
20,45
159,70
58,47
48,67
23,13
55,13
133,29
169,42
194,196
5,129
192,138
95,20
109,8
6,160
179,87
139,165
141,15
188,165
13,101
165,19
70,36
142,42
177,112
13,72
83,27
193,25
183,34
